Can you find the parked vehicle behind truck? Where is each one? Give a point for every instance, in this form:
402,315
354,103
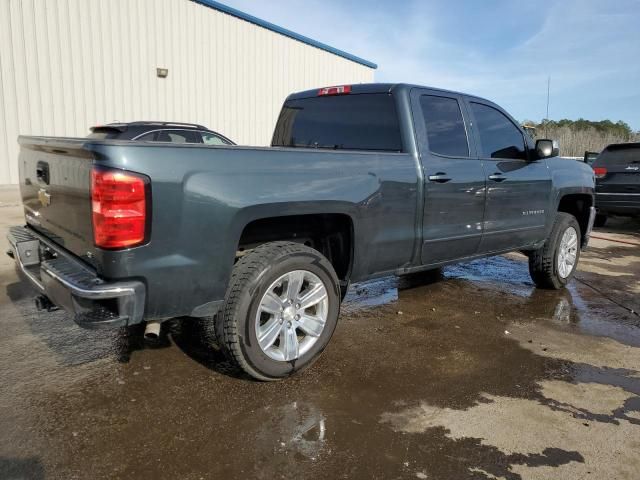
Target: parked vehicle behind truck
617,170
150,131
361,181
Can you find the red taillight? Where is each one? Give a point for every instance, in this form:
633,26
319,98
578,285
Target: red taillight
119,206
338,90
600,172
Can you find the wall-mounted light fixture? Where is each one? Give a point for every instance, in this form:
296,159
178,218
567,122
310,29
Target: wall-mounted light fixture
162,72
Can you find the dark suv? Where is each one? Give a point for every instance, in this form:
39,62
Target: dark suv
617,171
172,132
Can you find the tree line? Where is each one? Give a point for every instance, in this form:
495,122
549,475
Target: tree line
578,136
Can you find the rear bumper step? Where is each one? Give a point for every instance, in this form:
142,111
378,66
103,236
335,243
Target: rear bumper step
94,302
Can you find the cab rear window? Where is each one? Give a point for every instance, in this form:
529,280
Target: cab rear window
340,122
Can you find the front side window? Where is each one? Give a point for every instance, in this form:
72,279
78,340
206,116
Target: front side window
445,127
341,122
212,139
499,137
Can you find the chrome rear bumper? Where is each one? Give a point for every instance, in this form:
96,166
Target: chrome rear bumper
70,284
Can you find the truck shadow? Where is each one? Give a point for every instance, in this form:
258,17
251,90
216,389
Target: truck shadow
71,344
196,339
18,468
626,225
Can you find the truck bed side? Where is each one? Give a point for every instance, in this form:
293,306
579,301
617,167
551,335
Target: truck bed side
203,197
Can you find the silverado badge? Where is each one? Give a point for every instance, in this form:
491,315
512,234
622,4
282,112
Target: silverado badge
44,197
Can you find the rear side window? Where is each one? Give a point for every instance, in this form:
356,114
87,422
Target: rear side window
499,137
147,137
178,136
341,122
104,133
445,127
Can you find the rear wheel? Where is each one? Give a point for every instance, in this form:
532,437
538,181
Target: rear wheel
555,263
281,309
600,220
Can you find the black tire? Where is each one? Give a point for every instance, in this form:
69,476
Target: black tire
543,263
600,220
252,275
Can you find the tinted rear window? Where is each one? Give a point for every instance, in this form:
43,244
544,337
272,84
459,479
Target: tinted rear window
104,133
343,122
619,155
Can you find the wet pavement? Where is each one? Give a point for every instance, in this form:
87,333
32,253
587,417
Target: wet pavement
470,374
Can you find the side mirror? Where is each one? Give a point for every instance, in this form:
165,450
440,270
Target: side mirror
547,148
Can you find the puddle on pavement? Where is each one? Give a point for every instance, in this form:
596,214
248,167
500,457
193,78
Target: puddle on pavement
421,380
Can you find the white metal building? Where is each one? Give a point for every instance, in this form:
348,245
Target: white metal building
66,65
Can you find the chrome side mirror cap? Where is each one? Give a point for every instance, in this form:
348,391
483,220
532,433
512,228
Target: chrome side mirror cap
546,148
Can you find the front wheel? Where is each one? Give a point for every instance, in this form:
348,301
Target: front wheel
281,309
554,264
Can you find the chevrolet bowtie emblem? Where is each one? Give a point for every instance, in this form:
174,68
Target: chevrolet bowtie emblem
44,197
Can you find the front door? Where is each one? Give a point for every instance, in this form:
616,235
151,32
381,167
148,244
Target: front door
518,188
454,186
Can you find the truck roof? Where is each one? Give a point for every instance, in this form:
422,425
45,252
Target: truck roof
359,88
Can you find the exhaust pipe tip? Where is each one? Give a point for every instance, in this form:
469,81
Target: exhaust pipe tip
152,331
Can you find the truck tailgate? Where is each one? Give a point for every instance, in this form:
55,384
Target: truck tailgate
55,185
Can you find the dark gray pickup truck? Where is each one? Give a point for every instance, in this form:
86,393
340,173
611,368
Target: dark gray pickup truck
361,181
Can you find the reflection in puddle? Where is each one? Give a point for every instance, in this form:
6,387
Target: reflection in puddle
371,294
298,428
504,281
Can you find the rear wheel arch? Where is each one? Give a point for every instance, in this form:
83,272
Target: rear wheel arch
332,234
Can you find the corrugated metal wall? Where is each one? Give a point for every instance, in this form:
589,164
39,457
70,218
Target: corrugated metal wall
66,65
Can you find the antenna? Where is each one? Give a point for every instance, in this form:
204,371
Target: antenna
548,89
546,121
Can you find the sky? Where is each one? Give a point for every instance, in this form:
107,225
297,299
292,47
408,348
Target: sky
503,50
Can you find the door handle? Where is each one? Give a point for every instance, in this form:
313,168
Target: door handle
497,177
439,177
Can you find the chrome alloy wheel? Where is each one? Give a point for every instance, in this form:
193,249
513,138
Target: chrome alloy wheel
567,252
292,315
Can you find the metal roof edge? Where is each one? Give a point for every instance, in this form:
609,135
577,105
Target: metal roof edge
283,31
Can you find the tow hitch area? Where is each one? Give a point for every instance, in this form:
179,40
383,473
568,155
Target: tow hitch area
43,303
65,282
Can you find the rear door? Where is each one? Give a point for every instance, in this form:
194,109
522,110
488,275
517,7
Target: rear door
454,187
518,189
618,178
